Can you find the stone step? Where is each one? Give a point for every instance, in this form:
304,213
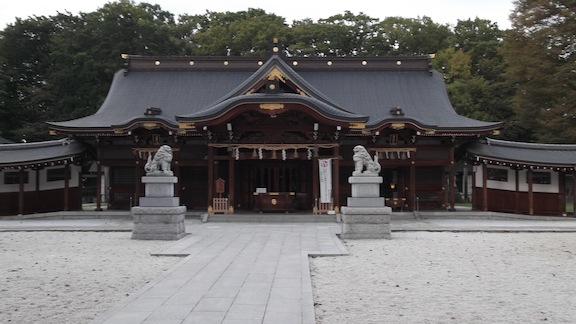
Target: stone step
271,217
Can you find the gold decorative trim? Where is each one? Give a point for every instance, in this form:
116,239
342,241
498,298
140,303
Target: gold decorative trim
302,92
186,125
271,106
357,125
150,125
275,73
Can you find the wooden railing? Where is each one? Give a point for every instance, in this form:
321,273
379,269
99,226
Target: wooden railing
220,205
322,207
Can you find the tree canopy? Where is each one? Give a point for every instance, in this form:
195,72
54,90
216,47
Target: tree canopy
540,53
60,67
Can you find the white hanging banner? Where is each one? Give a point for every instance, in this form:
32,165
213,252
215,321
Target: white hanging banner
325,177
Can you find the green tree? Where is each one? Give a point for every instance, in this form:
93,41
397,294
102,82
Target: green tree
87,52
540,51
243,33
407,36
339,35
25,45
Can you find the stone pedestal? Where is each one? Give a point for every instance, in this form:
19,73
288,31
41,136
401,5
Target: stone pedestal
366,216
159,216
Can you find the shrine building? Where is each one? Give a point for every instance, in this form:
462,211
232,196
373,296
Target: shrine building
276,134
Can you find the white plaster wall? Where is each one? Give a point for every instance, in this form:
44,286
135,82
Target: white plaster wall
30,186
73,182
510,185
44,185
549,188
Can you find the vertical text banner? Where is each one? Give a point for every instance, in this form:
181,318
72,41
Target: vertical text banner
325,177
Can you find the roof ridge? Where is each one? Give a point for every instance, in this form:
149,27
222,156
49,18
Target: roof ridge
19,146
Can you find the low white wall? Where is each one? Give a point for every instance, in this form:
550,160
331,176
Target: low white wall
510,185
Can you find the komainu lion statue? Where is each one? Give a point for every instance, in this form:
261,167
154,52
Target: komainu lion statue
160,163
362,159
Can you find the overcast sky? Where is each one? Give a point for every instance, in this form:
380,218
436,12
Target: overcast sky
441,11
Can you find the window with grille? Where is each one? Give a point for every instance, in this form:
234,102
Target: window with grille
14,177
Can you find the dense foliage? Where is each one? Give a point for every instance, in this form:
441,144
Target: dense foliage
60,67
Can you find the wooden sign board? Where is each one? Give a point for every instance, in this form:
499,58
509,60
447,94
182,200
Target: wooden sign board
220,186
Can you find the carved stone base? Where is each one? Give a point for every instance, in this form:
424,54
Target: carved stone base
158,223
366,223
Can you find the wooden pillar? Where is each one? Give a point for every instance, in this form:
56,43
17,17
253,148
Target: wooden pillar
98,186
137,184
315,183
574,192
210,175
21,193
413,184
336,177
517,193
178,191
465,182
231,164
530,193
66,186
562,193
37,189
474,191
452,181
484,187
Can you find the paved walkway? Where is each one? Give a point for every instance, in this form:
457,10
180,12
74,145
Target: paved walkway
250,272
234,273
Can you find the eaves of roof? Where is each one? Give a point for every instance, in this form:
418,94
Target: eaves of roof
320,107
39,153
523,154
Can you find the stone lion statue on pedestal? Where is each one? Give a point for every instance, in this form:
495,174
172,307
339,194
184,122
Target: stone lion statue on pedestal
362,159
160,163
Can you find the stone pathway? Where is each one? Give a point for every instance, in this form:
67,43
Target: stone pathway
234,273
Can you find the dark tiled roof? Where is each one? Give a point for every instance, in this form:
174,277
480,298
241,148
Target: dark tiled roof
315,99
175,92
28,154
524,153
355,93
5,141
420,94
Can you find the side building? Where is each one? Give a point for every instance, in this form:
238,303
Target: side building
254,130
523,178
41,177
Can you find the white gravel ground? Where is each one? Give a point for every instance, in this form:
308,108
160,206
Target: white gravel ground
72,277
446,277
416,277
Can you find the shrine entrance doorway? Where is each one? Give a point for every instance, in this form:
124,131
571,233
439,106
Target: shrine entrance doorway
274,186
